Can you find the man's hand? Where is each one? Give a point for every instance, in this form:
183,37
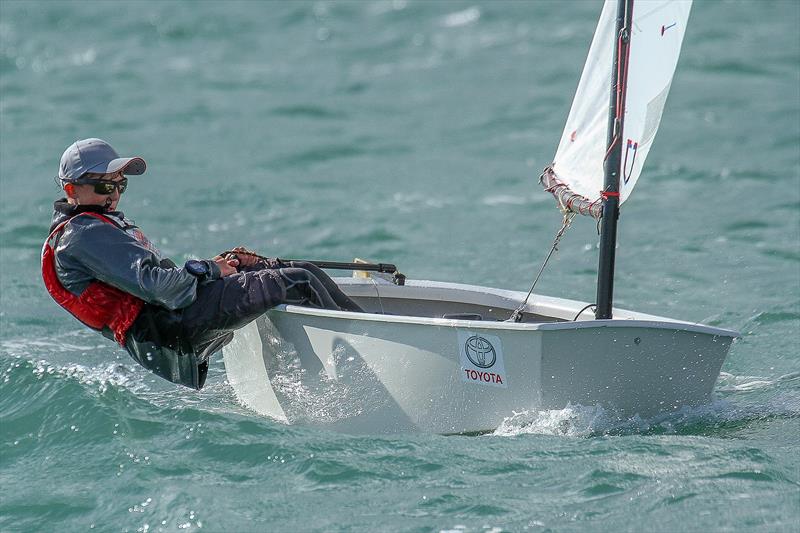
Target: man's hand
245,257
226,266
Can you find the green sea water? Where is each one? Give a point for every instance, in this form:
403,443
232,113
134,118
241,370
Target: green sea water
410,132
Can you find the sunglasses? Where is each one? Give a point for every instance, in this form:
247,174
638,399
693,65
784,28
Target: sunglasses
105,187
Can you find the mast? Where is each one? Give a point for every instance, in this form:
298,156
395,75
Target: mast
611,165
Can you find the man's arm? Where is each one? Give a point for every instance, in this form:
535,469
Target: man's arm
116,258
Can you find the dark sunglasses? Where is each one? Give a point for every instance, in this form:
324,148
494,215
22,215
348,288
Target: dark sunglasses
106,187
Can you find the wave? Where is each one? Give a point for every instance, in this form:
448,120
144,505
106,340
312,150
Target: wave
43,370
721,417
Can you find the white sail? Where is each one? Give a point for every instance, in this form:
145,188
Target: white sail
656,37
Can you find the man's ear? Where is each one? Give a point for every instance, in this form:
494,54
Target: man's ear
69,188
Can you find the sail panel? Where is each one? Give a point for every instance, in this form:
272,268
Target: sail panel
579,158
656,38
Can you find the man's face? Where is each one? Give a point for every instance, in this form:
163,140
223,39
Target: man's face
85,194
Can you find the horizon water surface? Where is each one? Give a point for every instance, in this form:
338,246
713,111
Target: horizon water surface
408,132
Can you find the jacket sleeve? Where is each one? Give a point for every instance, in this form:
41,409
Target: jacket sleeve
115,257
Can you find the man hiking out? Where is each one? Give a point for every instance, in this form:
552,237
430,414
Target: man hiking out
100,267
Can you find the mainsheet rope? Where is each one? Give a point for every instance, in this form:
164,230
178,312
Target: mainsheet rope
516,316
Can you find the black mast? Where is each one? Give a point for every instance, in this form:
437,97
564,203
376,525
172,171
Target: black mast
611,166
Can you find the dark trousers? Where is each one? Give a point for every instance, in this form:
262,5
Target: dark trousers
234,301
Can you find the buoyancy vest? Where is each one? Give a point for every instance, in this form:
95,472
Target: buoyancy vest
99,305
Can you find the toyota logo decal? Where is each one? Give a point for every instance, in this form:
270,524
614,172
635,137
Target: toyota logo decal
480,352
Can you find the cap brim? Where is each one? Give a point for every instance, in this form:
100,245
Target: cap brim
128,165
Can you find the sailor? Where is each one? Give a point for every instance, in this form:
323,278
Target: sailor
100,267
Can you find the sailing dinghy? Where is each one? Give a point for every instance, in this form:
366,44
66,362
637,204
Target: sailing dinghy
450,358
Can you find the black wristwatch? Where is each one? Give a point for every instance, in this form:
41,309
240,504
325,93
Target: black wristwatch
197,268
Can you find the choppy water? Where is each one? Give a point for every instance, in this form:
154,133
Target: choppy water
409,132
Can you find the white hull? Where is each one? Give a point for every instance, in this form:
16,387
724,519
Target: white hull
384,373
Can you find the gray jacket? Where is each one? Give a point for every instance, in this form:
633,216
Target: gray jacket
90,249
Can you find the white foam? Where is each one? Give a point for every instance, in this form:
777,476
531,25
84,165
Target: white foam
572,421
585,421
731,383
462,18
113,374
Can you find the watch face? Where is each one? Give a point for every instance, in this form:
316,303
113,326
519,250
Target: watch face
196,268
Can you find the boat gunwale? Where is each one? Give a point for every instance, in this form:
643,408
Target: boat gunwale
508,326
645,320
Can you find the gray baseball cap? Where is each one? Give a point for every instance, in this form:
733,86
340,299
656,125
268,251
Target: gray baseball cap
97,156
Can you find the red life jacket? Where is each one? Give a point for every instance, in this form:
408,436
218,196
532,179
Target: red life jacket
100,304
